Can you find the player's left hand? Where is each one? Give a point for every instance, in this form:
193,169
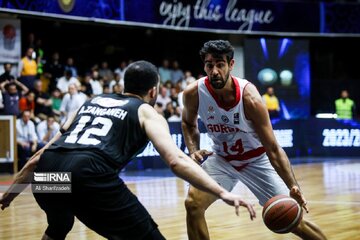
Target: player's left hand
5,200
296,193
236,201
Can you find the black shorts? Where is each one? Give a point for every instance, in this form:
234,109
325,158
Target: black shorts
99,199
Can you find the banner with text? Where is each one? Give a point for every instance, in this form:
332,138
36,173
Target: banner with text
227,16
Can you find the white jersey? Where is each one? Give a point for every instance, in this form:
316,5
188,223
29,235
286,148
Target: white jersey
233,135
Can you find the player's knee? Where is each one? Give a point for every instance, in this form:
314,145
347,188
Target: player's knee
193,206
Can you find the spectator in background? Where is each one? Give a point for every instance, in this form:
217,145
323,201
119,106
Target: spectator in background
121,69
70,66
39,57
86,86
96,85
272,103
105,72
174,97
159,108
46,130
26,137
27,70
43,102
163,97
11,96
117,80
118,89
27,103
165,72
56,100
7,73
190,79
106,89
71,102
64,82
175,116
53,70
344,106
38,54
176,74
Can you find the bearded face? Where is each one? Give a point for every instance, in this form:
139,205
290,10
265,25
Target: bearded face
218,70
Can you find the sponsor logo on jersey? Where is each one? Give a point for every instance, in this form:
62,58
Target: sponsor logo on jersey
221,128
236,118
109,102
225,119
211,109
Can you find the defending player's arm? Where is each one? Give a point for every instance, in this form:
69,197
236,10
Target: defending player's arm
23,177
256,112
189,123
158,132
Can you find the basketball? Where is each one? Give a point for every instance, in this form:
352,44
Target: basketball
281,214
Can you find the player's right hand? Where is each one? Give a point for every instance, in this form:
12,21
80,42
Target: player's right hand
199,155
296,193
236,201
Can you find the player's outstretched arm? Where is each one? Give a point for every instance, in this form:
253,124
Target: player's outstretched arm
256,112
23,177
157,131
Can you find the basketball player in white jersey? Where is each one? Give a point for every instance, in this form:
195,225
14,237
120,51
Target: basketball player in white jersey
244,149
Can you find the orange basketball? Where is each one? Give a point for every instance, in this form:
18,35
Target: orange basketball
281,214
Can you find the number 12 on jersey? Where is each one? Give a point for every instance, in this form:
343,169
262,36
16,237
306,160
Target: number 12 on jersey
87,138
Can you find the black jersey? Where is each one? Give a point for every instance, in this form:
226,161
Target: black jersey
108,125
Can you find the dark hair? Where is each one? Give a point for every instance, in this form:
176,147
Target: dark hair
140,76
68,73
217,48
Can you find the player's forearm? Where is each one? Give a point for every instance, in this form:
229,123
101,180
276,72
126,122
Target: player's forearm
188,170
282,166
191,136
21,181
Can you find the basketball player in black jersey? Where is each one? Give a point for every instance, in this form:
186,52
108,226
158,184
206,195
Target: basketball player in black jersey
94,145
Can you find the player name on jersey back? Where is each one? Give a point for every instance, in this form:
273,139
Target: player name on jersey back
99,111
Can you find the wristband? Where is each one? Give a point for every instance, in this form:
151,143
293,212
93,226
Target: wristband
62,130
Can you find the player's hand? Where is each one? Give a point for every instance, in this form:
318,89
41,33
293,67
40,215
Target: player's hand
199,155
296,193
236,201
5,200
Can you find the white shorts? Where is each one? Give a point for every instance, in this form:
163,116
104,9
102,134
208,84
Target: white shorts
259,176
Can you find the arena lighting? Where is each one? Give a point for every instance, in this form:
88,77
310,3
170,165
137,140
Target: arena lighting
286,77
267,76
264,47
326,115
284,46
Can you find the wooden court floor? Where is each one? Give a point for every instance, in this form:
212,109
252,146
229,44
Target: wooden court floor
332,189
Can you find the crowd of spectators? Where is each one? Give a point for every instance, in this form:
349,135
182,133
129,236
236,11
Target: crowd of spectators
42,92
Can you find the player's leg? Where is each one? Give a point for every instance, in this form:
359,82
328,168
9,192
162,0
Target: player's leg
198,201
59,217
261,178
196,204
309,230
57,206
104,204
